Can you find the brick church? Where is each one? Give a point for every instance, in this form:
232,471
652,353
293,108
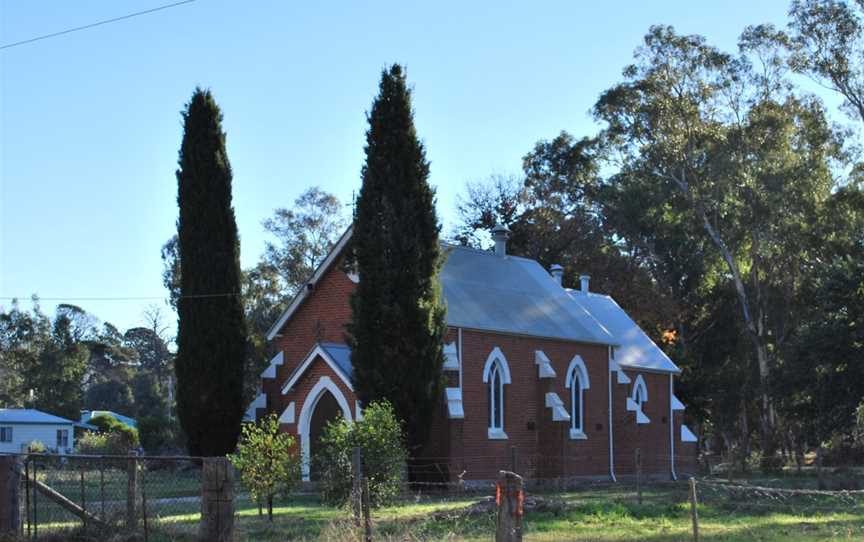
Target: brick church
553,382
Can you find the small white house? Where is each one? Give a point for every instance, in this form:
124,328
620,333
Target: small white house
21,426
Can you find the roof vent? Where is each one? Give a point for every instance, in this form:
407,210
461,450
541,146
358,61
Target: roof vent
557,272
583,283
500,234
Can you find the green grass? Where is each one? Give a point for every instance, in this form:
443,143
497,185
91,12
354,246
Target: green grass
602,513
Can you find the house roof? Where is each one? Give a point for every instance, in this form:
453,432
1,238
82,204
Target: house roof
509,294
31,416
635,349
341,356
87,415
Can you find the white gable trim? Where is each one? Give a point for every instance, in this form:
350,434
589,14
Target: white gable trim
325,383
496,354
316,276
614,366
579,364
270,371
287,416
317,351
251,414
687,435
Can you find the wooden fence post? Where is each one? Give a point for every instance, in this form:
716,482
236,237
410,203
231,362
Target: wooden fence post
367,516
10,494
217,500
694,511
509,497
132,493
356,495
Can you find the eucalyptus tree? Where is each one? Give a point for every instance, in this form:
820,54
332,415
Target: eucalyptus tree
742,161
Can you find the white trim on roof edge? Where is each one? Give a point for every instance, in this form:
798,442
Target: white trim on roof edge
316,276
307,361
270,371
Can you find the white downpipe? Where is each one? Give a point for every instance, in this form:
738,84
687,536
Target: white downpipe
459,353
672,429
611,445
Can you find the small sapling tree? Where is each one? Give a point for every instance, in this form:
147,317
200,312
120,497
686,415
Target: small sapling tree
268,461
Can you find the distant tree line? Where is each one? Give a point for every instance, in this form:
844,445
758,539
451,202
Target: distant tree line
724,210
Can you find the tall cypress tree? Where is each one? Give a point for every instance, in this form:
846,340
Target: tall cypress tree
211,334
397,314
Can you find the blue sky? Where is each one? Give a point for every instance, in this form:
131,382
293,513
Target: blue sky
90,122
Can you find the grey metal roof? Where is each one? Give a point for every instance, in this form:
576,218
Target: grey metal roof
635,349
341,355
31,416
509,294
87,415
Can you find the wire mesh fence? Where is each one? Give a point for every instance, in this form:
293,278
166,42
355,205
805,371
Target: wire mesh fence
159,498
89,497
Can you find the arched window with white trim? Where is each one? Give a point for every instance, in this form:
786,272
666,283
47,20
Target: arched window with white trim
640,392
577,382
496,399
496,374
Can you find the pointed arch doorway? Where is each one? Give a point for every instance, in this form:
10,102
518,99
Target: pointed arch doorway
324,403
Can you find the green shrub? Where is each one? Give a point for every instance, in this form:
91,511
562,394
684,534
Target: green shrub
36,447
127,436
268,461
379,437
114,443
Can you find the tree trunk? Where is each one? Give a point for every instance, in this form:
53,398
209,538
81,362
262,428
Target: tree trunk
755,329
270,508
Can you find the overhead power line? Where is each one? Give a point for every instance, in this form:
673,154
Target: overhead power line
128,298
91,25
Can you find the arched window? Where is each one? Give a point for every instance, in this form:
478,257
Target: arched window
496,374
640,392
496,399
577,381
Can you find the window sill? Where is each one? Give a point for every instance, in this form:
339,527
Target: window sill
576,434
497,434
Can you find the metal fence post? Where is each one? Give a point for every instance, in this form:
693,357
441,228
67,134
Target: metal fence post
509,497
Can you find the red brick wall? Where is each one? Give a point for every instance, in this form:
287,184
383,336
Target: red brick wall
545,450
321,317
652,439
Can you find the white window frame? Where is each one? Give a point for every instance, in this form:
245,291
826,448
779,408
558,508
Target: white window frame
496,364
6,433
640,392
62,439
577,377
